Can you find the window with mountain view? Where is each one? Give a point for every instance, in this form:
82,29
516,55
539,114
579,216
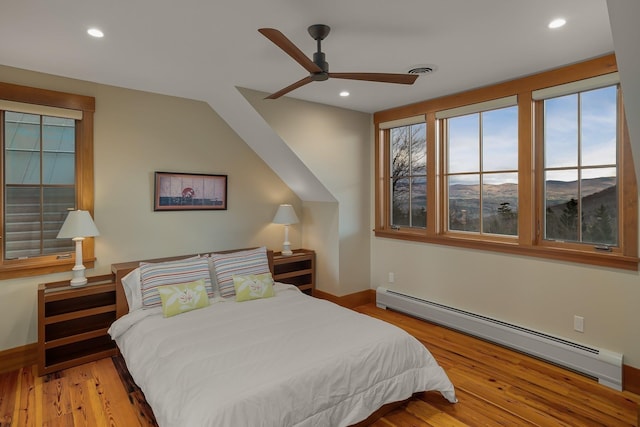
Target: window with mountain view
409,175
581,167
538,166
482,172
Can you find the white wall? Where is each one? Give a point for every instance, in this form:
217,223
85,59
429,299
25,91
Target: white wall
137,133
335,144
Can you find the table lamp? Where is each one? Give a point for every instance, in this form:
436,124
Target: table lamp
76,227
286,215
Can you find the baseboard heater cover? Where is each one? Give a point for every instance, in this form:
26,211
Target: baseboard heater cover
602,364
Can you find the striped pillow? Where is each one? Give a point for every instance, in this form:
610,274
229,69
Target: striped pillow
153,275
241,263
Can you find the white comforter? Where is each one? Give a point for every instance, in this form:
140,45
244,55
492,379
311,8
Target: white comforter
290,360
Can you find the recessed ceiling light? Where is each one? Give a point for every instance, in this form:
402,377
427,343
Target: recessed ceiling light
94,32
557,23
344,93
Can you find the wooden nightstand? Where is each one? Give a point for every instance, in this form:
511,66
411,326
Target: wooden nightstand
73,323
298,269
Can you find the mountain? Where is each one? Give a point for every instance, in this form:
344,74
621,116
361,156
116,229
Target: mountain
557,192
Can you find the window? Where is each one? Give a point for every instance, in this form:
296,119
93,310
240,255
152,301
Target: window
581,167
539,166
39,178
482,169
409,175
47,169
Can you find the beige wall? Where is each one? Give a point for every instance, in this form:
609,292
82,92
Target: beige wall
137,133
335,144
538,294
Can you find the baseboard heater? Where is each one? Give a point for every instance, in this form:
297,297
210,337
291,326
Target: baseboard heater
604,365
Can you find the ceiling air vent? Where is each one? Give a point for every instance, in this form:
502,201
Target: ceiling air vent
422,69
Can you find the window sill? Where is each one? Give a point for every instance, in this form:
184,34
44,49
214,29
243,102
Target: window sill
611,260
14,271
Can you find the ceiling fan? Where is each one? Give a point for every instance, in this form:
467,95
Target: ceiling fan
318,68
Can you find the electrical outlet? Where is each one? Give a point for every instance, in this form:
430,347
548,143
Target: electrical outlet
392,277
578,323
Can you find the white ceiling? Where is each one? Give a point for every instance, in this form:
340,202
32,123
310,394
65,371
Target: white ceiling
198,48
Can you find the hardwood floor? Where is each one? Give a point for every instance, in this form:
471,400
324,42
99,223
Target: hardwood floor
495,386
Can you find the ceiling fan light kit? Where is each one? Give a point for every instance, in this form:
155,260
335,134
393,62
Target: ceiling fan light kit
319,68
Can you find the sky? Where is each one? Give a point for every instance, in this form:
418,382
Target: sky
499,130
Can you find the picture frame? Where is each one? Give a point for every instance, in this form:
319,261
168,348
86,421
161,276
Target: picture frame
175,191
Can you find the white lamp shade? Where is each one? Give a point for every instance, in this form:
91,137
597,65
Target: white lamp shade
78,224
285,215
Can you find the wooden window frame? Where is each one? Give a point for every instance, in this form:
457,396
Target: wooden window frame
528,242
84,176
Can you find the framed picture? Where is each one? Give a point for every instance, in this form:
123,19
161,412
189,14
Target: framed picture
188,191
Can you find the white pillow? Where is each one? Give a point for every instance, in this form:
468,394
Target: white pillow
131,285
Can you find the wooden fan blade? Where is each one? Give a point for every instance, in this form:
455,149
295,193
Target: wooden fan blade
289,88
290,49
404,79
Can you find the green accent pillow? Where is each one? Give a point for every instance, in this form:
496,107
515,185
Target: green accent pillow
183,297
253,286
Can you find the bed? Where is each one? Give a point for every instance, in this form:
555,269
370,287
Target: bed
284,360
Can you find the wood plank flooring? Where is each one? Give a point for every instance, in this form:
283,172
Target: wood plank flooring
495,386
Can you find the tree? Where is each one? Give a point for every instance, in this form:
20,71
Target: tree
601,231
408,150
569,221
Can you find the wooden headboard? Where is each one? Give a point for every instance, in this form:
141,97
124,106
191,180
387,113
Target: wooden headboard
123,268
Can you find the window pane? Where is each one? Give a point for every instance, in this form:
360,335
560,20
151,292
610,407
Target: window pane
22,222
464,144
598,126
22,148
400,202
58,168
408,171
500,204
418,149
561,205
561,131
464,202
22,167
500,139
600,206
57,202
419,202
400,151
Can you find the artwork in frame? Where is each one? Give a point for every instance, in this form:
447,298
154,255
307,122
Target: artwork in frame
188,191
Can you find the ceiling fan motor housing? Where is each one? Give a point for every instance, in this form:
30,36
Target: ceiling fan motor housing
319,60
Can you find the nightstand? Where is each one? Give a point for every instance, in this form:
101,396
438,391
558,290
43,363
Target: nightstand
73,323
298,269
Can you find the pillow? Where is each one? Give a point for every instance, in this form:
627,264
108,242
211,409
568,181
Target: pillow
183,297
253,286
131,285
170,273
212,274
241,263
